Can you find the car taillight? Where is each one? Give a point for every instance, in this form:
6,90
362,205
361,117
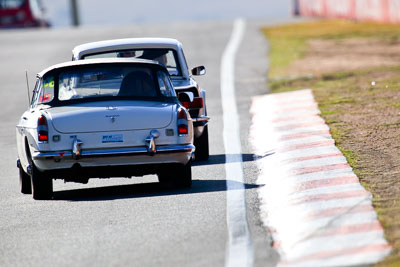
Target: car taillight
196,103
183,128
43,129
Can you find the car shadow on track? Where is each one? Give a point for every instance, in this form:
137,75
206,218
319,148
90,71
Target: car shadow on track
221,159
141,191
156,189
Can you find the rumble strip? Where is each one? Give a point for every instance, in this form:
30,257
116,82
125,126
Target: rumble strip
311,200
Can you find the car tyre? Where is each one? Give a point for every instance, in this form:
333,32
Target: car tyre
202,148
184,176
179,176
24,182
42,186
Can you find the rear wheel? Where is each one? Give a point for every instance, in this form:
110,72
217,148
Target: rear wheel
24,182
177,176
201,144
42,186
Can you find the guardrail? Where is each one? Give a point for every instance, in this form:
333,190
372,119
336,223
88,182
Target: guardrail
371,10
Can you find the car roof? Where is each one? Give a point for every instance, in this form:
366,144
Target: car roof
99,61
127,43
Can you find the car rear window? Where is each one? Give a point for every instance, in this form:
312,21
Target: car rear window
103,82
92,82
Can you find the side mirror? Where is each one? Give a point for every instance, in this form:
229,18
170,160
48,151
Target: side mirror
200,70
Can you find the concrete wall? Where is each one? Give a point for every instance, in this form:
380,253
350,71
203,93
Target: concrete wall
373,10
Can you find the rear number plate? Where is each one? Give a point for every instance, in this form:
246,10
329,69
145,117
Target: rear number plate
112,138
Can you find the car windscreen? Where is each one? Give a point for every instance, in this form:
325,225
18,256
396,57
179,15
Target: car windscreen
166,57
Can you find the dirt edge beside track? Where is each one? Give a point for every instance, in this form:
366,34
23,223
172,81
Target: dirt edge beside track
355,77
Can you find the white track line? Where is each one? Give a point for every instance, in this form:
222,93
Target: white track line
239,249
312,202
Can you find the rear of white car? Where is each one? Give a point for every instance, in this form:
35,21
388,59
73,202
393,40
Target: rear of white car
108,135
99,131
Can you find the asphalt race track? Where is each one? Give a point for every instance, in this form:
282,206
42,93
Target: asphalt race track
130,222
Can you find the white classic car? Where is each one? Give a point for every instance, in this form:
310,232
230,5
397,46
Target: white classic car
103,118
168,52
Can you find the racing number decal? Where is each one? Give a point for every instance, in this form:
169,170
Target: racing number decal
46,94
49,84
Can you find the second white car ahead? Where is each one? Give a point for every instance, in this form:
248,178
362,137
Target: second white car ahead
169,53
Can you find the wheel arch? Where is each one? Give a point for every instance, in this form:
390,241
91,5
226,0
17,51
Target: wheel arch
26,156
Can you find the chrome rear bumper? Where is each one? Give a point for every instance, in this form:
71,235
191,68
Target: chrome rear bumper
112,152
200,121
